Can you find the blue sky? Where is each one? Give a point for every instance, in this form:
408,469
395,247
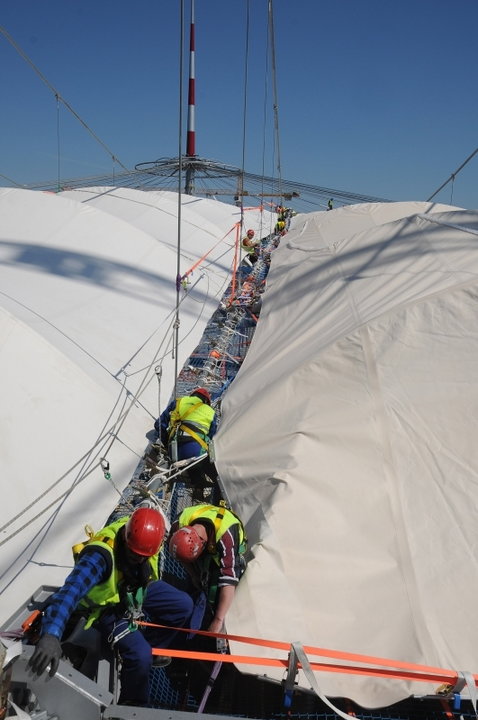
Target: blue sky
376,97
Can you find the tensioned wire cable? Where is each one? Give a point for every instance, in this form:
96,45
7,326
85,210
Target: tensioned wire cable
264,126
180,177
275,98
453,175
106,438
244,114
244,132
58,96
162,181
14,182
112,432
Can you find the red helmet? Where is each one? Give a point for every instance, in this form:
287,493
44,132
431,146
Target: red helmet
250,233
144,531
186,545
202,393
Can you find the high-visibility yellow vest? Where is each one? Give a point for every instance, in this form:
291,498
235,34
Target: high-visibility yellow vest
222,519
107,592
251,245
192,416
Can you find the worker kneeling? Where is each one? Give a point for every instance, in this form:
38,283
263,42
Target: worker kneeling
185,428
115,582
210,541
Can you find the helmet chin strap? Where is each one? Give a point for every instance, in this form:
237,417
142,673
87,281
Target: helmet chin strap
203,533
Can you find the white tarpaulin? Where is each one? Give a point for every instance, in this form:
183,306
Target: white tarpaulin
348,446
87,306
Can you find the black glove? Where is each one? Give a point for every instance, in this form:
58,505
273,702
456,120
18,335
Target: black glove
47,652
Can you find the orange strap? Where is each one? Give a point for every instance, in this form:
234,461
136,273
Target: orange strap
448,676
412,671
198,262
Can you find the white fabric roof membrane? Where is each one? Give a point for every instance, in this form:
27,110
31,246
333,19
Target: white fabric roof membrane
87,305
348,446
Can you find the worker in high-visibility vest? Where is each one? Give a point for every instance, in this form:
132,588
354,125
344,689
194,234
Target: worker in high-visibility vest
250,245
210,541
114,581
185,429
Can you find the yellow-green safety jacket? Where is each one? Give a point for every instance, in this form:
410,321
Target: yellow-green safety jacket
193,417
107,592
249,248
222,519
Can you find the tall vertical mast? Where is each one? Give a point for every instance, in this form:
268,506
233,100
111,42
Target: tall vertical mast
191,131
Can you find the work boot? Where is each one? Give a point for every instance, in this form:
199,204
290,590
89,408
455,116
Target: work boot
161,661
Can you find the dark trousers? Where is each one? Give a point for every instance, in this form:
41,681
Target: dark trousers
163,604
197,473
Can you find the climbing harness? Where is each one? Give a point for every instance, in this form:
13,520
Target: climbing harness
177,423
132,617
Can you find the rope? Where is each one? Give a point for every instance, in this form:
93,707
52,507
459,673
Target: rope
276,102
58,96
110,434
454,174
156,356
235,264
5,177
179,190
244,117
139,178
82,474
264,122
201,259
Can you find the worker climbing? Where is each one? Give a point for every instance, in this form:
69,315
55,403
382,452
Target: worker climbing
185,429
210,541
114,583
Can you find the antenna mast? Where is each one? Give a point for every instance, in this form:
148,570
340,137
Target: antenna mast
191,131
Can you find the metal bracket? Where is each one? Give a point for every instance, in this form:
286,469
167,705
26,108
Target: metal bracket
290,679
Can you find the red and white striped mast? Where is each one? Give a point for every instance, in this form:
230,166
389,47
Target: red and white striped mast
191,130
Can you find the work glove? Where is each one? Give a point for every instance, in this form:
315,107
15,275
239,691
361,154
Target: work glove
47,652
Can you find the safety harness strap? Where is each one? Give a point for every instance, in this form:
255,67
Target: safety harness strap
194,435
177,419
203,509
220,511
